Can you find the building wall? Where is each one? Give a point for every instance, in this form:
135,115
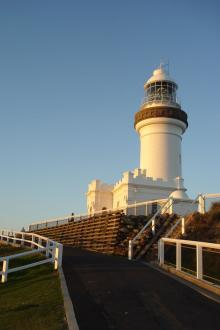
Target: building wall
134,187
185,207
137,187
99,196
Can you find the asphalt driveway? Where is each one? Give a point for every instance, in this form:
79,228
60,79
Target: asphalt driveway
111,293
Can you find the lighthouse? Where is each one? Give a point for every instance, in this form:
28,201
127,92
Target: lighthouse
160,123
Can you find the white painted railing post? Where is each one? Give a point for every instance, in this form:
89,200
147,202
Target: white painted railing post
178,256
22,239
199,262
158,251
14,240
153,226
183,226
201,207
130,250
32,240
58,256
5,270
40,243
161,251
47,246
171,205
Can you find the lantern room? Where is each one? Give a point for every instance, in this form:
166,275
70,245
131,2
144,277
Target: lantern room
161,88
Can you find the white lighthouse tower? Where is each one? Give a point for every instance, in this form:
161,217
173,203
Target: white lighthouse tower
160,123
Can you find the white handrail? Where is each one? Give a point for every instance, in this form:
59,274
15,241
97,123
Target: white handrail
78,217
168,204
217,195
83,216
52,250
179,242
174,227
202,200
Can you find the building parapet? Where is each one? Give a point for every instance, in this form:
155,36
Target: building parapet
139,177
98,185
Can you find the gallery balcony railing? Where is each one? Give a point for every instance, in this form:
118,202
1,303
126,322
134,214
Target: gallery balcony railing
162,99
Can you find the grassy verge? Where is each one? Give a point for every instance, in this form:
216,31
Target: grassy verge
6,250
31,299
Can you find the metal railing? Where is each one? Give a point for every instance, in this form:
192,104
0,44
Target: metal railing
180,222
66,219
163,209
164,100
39,244
179,244
202,198
168,206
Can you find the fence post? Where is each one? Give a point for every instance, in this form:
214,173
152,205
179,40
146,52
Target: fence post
40,243
171,205
14,238
130,250
47,246
58,256
178,256
201,207
5,270
161,251
32,240
153,226
22,239
183,226
199,263
158,251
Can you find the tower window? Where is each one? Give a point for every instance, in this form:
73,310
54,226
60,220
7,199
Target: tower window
161,91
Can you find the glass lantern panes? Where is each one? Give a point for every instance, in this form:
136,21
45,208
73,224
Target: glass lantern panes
161,91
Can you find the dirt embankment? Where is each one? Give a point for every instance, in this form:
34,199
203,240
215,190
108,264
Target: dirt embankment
204,227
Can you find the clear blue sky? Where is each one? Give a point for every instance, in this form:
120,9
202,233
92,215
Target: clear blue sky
71,79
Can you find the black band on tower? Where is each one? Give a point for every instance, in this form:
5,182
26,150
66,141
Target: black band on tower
156,112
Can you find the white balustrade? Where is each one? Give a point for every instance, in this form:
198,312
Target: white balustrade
163,209
179,243
52,250
66,219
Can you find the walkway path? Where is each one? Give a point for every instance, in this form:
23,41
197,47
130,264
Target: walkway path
110,293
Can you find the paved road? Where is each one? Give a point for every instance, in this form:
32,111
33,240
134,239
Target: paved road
110,293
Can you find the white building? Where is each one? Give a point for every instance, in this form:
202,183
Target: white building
160,123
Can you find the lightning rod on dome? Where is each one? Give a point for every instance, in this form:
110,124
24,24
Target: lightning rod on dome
165,64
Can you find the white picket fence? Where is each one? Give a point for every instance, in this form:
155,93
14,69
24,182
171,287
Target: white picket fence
199,246
52,250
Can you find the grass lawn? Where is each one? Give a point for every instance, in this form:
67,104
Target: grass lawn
31,299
